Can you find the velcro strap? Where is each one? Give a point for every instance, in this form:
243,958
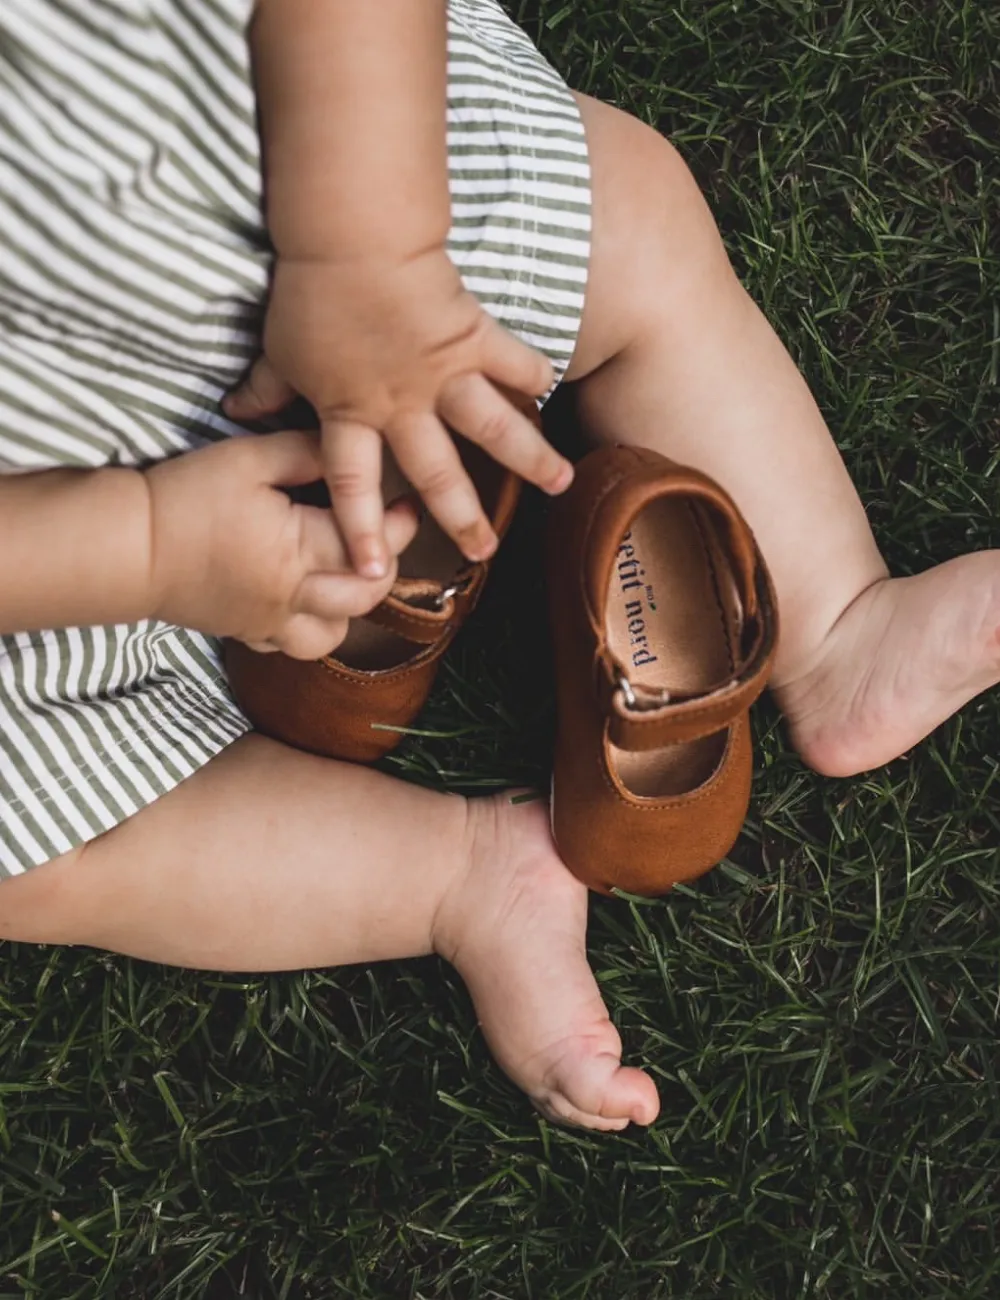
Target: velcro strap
649,724
425,611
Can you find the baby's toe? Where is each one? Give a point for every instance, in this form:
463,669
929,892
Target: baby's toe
592,1089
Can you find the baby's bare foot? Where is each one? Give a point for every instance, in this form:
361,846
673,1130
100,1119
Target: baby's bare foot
514,926
902,658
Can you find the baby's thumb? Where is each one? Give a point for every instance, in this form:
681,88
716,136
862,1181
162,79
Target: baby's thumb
287,459
402,520
263,392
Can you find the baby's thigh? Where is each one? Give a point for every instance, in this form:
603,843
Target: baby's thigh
44,904
652,234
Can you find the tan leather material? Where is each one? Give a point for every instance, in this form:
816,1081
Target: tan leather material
356,704
664,627
425,615
679,718
633,487
326,708
677,723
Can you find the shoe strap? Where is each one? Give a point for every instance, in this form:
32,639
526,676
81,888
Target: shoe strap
424,611
641,718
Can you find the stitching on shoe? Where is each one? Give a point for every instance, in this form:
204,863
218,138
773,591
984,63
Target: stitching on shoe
713,573
670,802
366,677
608,488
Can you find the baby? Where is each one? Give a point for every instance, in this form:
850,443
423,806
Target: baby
443,219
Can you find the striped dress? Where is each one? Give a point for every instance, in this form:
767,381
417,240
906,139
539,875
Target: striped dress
133,273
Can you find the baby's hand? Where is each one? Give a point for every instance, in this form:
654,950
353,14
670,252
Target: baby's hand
233,556
399,347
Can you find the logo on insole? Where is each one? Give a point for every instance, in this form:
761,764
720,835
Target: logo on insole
637,607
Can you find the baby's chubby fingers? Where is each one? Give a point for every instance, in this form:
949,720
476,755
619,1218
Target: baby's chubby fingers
331,593
426,453
473,406
352,467
291,458
308,637
263,392
323,550
332,597
510,362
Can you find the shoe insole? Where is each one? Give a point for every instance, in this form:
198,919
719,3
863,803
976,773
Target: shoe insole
668,623
431,555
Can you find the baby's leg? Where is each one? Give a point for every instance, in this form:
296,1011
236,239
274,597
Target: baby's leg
673,355
269,859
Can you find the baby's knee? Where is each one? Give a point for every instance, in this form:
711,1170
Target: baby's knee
643,189
654,238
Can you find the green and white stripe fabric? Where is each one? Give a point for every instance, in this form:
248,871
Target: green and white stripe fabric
133,270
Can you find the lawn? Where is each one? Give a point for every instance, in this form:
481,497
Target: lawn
820,1013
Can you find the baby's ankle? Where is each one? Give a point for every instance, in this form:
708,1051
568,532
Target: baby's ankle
471,830
903,657
810,645
497,836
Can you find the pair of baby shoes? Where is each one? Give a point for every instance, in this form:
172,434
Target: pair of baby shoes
664,626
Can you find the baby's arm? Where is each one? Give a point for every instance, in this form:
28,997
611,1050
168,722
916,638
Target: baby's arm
74,549
352,100
205,540
368,316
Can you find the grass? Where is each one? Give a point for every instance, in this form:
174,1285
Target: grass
820,1013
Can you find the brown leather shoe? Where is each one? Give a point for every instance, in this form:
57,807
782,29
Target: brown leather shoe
353,704
664,626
